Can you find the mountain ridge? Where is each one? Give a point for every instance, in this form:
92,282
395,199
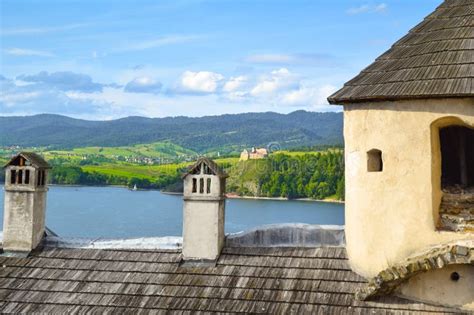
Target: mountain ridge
201,134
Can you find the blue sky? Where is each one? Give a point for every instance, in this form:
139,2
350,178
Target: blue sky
110,59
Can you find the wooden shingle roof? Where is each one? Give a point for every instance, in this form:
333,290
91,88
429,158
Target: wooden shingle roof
35,159
210,163
245,280
434,60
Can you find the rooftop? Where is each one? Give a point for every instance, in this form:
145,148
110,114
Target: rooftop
295,280
434,60
35,159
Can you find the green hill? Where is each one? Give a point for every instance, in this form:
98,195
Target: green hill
224,134
161,150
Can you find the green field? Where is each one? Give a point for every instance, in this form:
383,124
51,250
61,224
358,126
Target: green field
300,153
148,172
163,150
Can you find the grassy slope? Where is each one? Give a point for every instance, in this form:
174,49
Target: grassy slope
153,150
299,153
245,175
147,172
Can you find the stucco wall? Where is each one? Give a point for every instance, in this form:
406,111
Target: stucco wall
437,287
24,220
393,213
203,229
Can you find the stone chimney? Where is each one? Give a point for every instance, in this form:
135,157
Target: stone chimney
25,202
203,211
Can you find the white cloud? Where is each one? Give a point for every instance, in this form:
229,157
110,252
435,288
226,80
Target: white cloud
40,30
78,95
308,96
234,84
35,99
281,79
270,58
201,82
27,52
64,80
366,8
158,42
313,59
144,84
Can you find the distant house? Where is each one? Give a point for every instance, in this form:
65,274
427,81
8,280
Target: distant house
254,154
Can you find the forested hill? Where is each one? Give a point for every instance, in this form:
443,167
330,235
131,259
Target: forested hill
202,134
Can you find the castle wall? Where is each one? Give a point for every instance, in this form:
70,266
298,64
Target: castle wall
393,213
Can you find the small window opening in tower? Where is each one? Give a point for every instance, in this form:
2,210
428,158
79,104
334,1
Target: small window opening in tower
13,177
457,178
27,177
201,185
20,177
43,178
208,187
207,170
374,161
38,182
194,185
457,157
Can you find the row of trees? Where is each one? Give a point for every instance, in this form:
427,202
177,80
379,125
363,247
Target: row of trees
74,175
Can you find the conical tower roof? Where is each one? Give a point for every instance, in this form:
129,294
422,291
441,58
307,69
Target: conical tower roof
434,60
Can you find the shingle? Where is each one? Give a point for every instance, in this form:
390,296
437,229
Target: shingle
435,59
35,159
245,280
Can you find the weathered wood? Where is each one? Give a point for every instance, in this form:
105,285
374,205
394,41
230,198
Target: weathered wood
433,60
245,280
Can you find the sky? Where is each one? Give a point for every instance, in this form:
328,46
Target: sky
110,59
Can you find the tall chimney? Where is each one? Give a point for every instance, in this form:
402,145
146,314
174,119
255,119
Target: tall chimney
25,202
203,211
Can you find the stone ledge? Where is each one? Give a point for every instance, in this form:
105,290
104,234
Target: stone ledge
436,257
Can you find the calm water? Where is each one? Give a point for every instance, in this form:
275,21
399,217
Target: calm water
117,212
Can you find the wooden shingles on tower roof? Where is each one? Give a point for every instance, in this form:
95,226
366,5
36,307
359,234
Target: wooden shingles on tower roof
434,60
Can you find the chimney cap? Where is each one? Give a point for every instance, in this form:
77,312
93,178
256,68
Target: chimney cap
216,170
35,159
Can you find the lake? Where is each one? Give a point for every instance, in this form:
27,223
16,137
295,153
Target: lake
115,212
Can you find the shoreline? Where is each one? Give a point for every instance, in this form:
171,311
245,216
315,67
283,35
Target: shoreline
234,196
228,195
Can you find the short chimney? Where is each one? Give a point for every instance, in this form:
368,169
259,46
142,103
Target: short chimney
25,202
203,211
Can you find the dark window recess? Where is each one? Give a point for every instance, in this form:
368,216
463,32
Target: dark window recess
196,171
207,170
208,187
38,182
201,185
43,178
194,185
374,161
457,156
27,177
13,177
20,177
